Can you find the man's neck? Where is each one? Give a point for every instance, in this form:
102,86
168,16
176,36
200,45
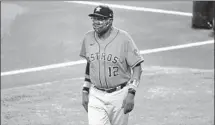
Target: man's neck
106,34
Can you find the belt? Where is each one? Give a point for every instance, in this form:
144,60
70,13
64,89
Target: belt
113,89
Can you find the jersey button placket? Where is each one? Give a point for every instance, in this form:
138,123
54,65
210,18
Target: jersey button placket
105,68
102,64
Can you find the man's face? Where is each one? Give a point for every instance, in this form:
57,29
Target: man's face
101,24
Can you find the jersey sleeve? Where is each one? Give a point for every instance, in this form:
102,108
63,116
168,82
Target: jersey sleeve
83,52
133,54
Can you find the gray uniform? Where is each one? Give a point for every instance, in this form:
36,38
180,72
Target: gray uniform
110,60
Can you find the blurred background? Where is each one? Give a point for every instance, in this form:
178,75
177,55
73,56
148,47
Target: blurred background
42,73
35,34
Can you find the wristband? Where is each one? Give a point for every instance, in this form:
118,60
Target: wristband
132,91
134,83
87,84
86,89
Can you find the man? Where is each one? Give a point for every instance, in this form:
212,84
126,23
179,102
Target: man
213,19
203,12
113,71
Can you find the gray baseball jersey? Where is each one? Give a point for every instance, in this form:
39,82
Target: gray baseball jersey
110,60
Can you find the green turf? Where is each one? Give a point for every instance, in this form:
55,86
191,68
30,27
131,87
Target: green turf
51,32
166,96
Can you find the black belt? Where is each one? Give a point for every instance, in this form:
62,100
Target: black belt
113,89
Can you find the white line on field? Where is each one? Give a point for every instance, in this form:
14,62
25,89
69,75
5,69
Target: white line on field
54,66
133,8
176,47
60,65
41,68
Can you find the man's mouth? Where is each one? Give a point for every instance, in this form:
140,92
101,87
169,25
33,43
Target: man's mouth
97,25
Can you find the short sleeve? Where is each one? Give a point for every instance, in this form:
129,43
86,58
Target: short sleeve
133,54
83,52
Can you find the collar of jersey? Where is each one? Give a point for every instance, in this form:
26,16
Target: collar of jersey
110,38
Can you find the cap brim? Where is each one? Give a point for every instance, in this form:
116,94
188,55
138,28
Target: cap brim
96,15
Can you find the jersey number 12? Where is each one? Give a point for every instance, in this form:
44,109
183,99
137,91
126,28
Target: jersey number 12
113,71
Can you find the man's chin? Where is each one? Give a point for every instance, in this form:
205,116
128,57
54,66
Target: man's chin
98,31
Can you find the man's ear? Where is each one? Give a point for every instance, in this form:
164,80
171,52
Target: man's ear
110,20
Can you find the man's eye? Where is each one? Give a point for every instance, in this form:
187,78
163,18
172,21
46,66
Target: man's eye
100,19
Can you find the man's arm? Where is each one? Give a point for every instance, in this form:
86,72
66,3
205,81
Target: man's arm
86,88
137,71
136,76
128,103
87,82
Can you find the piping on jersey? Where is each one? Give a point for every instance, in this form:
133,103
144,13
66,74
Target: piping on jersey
104,51
104,62
99,58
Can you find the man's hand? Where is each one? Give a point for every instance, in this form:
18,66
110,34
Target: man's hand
85,100
128,103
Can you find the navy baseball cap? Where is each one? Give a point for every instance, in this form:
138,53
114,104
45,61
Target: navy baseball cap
102,11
